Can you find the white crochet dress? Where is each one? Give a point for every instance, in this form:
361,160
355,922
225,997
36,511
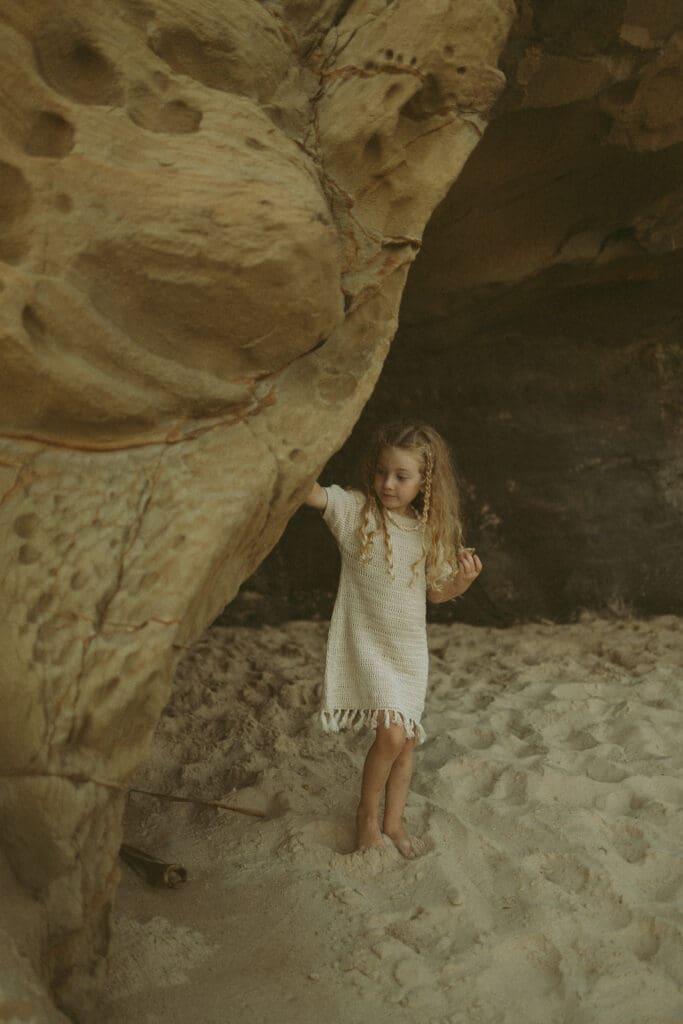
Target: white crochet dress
377,646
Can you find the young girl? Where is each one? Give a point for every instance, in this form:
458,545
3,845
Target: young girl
401,541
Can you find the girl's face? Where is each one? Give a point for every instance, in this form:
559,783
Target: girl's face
398,479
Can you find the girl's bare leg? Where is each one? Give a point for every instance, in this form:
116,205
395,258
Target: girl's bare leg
397,788
389,743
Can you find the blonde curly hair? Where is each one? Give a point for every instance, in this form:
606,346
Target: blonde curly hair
437,505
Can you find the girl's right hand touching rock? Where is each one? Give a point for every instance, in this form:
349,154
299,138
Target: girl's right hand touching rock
317,498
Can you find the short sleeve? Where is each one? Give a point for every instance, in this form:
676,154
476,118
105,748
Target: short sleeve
341,513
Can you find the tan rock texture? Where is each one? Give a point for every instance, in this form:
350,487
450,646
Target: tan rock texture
207,214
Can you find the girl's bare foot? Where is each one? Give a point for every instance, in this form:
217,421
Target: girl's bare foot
409,846
367,832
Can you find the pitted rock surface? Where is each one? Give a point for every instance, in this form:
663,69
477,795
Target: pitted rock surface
207,214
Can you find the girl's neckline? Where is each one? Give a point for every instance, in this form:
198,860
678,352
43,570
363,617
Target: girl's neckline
410,525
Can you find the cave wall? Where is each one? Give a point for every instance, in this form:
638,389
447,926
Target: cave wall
208,210
541,330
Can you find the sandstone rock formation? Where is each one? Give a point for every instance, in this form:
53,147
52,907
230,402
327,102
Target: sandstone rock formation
541,330
207,214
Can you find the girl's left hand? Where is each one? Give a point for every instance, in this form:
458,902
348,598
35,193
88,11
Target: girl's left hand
470,565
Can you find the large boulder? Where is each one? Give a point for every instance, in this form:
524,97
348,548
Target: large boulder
207,214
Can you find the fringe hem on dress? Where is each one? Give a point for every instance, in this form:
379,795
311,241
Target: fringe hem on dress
353,718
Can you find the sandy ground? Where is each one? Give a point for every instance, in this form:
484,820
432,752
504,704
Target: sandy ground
549,792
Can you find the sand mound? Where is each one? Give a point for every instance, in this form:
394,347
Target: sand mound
549,796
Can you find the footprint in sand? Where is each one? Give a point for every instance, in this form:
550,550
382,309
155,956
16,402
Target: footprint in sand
511,787
652,938
428,942
412,972
328,833
607,905
580,739
566,872
639,740
593,885
599,770
519,727
469,778
629,842
645,939
438,751
478,738
643,806
526,969
616,803
533,749
625,802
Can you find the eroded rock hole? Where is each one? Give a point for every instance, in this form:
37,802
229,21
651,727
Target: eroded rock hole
373,147
25,525
74,66
33,325
28,554
15,203
211,63
63,202
173,117
15,195
430,100
50,135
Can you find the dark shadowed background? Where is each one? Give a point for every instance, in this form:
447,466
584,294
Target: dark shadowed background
540,332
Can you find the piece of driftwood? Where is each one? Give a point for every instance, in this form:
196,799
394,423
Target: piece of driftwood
204,803
152,869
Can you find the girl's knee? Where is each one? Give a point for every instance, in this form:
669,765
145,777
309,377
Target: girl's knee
406,751
392,737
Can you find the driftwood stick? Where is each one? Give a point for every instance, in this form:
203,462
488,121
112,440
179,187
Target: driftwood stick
204,803
152,869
